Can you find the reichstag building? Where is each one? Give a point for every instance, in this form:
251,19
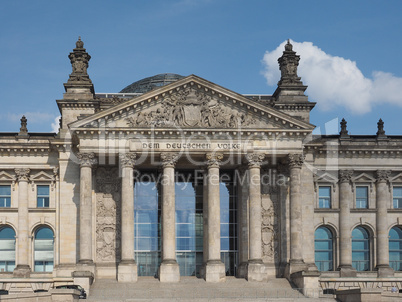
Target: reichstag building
177,176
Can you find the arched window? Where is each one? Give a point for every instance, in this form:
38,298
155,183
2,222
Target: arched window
7,249
323,246
43,250
395,248
360,249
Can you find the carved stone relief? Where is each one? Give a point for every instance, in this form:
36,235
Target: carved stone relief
192,108
108,202
270,229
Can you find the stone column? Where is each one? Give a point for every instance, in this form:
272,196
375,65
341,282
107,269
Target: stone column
22,270
382,189
345,240
296,262
242,216
87,161
127,270
214,268
255,269
169,268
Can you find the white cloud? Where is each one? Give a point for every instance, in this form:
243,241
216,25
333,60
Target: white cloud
335,81
55,124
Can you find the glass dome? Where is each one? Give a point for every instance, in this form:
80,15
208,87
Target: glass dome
150,83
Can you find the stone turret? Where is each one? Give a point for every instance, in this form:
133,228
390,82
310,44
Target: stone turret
289,96
79,98
79,86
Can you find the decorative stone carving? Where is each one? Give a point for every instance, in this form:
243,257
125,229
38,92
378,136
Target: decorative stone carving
296,160
108,220
87,159
23,129
288,65
192,108
344,131
345,175
213,160
128,159
22,174
383,175
270,230
169,159
380,126
254,160
79,59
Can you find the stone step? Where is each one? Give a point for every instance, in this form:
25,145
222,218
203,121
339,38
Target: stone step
197,290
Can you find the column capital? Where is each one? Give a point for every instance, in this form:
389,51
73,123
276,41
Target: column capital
87,159
128,159
254,160
22,174
345,175
296,160
382,175
169,159
213,160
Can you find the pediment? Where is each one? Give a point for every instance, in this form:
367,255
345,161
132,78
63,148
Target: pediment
4,176
363,177
397,178
192,103
42,176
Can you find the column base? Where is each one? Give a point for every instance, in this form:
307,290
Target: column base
169,271
85,266
256,271
215,271
83,278
384,270
127,271
294,266
347,271
22,271
242,270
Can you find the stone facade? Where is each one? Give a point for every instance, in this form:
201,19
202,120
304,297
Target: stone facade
192,124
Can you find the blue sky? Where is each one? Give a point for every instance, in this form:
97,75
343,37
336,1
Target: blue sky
233,43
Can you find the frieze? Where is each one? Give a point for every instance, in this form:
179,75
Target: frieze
190,107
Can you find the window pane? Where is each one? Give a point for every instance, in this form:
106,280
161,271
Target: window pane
5,190
43,190
323,246
360,249
395,248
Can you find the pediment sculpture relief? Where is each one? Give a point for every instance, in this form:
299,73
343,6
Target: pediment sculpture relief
191,108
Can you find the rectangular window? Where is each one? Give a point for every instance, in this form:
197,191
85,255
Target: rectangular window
5,196
42,196
397,197
361,197
324,197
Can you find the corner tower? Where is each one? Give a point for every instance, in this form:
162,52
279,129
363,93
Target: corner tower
289,96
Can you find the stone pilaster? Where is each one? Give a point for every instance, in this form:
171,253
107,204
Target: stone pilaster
169,268
22,270
255,268
87,161
382,189
127,270
214,268
296,262
345,241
